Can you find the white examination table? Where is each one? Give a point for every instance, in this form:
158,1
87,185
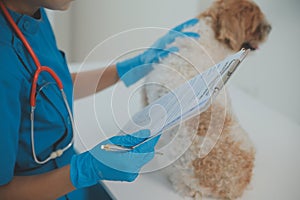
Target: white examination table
277,141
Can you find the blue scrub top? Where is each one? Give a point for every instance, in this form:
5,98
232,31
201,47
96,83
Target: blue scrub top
52,123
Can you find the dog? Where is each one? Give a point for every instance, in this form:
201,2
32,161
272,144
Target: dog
225,168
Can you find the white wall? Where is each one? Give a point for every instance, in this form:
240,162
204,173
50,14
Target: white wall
62,26
96,20
271,75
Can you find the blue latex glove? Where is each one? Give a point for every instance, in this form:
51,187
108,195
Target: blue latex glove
132,70
98,164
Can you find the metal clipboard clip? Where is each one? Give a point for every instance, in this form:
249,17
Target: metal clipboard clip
213,88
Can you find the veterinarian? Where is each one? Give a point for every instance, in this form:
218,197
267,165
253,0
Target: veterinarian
36,140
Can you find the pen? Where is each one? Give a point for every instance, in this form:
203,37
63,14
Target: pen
113,147
118,148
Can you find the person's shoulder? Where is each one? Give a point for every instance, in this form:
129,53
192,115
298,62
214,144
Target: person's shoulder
46,27
5,31
44,14
10,64
9,61
7,52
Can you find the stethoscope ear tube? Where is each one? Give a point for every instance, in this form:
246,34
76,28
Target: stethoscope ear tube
35,79
33,91
20,34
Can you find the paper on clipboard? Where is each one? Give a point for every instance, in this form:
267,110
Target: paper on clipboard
187,100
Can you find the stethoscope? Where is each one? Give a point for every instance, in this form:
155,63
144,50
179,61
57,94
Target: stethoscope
33,91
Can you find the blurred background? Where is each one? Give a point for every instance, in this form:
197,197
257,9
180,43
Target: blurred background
271,75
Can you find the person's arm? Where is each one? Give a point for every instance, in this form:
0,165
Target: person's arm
51,185
86,169
89,82
133,69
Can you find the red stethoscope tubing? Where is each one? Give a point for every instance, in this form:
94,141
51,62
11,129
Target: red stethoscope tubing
39,67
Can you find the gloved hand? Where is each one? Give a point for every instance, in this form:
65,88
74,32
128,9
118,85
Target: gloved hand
98,164
132,70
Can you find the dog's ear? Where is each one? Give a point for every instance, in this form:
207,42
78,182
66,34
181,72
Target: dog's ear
229,30
234,21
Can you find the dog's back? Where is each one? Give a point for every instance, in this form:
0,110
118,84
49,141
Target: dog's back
226,169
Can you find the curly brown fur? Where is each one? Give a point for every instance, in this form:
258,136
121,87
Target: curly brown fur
238,22
226,169
226,160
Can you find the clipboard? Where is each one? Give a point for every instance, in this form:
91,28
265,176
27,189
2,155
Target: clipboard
184,102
